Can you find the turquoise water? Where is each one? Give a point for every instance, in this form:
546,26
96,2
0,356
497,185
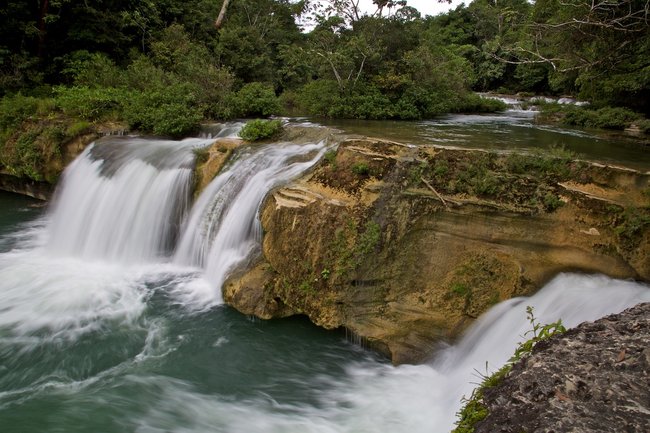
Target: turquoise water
91,342
110,370
15,210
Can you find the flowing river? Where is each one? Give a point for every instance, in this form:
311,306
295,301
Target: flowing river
109,321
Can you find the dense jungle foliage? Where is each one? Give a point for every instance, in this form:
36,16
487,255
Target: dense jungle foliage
164,66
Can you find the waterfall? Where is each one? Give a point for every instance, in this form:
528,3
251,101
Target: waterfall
123,199
96,333
223,229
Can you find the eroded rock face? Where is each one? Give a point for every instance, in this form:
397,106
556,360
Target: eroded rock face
211,160
28,187
404,246
593,378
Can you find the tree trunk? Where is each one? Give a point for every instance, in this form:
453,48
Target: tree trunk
41,28
222,14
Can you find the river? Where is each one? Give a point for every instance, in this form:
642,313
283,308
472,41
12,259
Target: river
109,322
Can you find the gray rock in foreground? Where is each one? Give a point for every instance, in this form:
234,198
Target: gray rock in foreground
593,378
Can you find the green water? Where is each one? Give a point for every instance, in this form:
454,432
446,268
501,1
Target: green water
88,366
512,130
15,210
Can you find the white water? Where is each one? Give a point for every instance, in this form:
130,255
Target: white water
123,200
113,225
223,229
374,397
50,291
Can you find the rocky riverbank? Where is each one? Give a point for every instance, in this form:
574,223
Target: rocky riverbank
592,378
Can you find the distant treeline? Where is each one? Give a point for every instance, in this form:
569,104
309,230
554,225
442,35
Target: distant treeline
164,66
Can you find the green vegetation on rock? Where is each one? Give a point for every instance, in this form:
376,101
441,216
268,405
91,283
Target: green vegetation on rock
260,129
474,410
616,118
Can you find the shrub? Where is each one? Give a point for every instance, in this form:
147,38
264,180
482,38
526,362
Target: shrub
605,118
473,103
170,111
16,109
614,118
553,162
368,103
330,158
25,159
644,125
90,103
259,129
485,184
256,99
631,223
29,155
552,202
319,97
93,70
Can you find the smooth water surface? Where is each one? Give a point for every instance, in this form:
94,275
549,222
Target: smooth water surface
512,130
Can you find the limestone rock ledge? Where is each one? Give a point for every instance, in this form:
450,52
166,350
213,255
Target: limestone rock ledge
593,378
404,246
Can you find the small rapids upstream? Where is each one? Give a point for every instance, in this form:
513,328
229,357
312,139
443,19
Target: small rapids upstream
111,317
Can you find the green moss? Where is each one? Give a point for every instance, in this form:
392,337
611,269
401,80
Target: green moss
201,154
361,169
330,158
631,223
306,287
553,162
351,247
552,202
368,240
440,169
460,289
417,172
78,128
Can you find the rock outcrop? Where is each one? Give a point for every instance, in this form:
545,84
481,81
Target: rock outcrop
35,155
404,246
593,378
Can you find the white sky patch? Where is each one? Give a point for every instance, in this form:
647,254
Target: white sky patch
426,7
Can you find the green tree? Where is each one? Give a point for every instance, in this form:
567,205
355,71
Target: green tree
600,49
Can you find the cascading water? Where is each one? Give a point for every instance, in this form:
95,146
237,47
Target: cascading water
93,336
223,229
123,200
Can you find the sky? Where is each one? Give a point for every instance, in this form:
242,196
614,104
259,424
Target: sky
426,7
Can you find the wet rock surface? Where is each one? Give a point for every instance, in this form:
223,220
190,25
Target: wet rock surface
404,245
593,378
